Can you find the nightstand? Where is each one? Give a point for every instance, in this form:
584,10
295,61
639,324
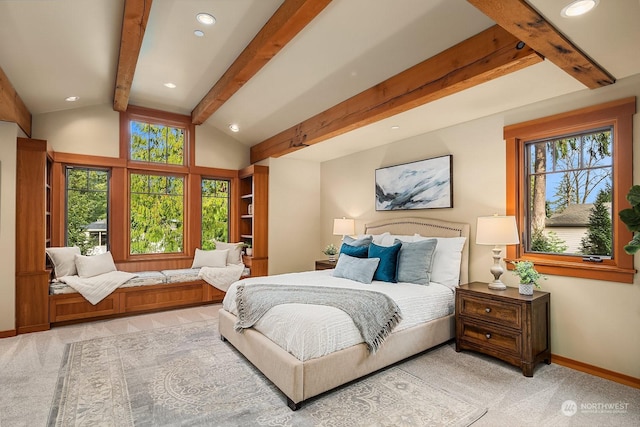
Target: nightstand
325,264
504,324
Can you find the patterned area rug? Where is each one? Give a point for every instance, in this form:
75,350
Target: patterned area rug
185,375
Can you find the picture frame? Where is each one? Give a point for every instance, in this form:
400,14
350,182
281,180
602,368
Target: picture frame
424,184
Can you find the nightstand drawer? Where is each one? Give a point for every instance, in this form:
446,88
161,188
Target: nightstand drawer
490,337
486,310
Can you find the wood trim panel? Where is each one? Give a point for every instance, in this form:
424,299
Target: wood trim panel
73,308
87,160
290,18
12,108
214,172
526,24
134,24
8,333
486,56
596,371
194,220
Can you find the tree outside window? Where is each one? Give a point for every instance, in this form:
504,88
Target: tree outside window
87,196
215,211
570,191
156,143
157,213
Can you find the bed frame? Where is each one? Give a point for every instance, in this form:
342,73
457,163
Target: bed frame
301,380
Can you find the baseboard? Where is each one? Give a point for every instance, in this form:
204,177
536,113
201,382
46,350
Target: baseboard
7,334
594,370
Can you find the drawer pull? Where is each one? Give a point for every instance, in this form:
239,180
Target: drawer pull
488,336
488,310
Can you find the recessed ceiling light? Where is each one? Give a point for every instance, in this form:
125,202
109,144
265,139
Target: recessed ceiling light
234,127
170,85
198,33
578,7
72,98
395,127
205,18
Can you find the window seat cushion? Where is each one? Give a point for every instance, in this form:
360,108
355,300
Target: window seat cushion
143,278
181,275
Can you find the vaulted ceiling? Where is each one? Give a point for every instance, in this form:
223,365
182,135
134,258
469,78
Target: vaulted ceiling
294,73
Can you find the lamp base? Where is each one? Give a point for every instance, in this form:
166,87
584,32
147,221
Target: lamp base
497,285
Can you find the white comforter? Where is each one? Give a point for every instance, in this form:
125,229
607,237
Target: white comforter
309,331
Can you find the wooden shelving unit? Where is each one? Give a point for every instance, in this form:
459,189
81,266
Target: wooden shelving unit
253,216
33,234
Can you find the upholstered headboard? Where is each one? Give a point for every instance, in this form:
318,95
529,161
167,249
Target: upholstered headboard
429,228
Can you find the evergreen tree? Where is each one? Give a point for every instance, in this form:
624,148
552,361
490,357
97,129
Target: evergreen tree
598,238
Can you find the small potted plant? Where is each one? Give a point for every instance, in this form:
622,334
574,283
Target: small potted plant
331,251
631,218
528,275
248,249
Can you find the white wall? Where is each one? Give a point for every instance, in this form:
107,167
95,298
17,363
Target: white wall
216,149
95,131
8,153
92,130
294,215
594,322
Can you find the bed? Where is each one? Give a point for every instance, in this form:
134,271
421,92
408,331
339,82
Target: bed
299,379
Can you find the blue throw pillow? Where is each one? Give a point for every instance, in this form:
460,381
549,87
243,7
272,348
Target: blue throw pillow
388,267
415,261
363,241
355,251
358,269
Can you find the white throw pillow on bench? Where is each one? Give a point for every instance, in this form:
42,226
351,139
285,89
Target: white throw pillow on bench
89,266
63,260
235,251
215,258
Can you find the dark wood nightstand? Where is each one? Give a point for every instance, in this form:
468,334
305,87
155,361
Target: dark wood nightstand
325,264
504,324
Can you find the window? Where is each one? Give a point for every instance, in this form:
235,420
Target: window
157,213
570,190
87,195
567,178
215,211
156,143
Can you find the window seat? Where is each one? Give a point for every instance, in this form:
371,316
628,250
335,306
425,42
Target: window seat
148,291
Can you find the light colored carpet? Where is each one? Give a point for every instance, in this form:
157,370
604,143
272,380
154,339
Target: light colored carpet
185,375
30,366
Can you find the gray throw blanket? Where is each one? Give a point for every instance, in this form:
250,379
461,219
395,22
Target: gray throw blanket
374,313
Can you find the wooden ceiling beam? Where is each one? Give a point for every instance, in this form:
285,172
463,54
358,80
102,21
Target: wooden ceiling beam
526,24
134,24
12,108
488,55
290,18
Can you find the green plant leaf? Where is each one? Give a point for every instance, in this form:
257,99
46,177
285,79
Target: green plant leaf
634,195
631,218
633,246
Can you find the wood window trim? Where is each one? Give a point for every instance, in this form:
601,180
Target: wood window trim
619,114
148,115
119,209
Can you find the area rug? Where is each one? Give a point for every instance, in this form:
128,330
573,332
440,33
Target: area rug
185,375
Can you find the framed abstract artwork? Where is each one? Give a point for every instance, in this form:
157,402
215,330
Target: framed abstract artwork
425,184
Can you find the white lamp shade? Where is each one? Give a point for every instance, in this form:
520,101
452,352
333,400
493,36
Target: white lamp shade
497,230
344,226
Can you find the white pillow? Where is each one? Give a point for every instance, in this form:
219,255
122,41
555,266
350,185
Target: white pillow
389,239
377,238
215,258
63,260
89,266
446,260
235,251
